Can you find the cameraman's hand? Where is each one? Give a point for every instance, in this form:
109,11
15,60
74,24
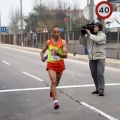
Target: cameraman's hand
88,31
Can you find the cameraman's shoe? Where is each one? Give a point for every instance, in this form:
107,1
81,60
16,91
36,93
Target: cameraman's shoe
95,92
101,94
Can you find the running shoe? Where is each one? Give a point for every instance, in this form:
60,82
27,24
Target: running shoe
56,105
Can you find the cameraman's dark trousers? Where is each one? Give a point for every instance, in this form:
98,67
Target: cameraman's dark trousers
97,68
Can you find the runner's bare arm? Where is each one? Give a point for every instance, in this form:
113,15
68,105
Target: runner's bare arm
64,55
44,50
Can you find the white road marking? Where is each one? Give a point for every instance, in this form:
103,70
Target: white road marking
90,85
60,87
32,76
26,89
5,62
98,111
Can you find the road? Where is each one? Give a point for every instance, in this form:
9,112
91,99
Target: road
24,91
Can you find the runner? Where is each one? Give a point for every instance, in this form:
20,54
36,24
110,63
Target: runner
57,51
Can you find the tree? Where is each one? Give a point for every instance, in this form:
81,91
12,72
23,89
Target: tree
59,13
50,15
14,16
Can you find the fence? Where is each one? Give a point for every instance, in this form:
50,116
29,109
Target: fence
71,37
72,40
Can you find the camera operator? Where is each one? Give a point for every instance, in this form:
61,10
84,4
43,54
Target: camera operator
96,42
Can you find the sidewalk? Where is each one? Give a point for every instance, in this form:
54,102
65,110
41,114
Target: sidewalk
109,62
113,46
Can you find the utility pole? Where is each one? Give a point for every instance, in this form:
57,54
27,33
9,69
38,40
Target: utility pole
88,3
30,26
70,28
21,23
91,10
118,42
68,24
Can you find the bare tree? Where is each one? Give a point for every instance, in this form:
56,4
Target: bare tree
48,14
14,16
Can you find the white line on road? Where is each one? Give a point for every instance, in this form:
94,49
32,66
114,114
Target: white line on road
98,111
60,87
26,89
5,62
32,76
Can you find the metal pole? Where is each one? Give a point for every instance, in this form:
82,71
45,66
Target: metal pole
21,23
118,42
67,27
91,11
70,24
69,16
103,23
30,26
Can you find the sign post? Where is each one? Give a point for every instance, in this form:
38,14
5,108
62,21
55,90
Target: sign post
91,11
118,42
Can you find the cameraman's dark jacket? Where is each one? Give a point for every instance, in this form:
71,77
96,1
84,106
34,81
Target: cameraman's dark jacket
96,45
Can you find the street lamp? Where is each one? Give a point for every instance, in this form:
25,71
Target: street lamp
21,22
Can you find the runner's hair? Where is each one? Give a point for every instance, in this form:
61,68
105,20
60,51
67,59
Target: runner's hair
55,27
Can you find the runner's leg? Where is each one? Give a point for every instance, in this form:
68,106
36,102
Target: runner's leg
52,75
59,75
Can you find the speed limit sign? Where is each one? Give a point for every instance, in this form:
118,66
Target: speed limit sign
104,9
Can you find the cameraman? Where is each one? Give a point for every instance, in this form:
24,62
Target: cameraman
96,51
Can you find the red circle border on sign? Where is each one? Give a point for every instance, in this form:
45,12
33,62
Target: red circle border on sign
111,9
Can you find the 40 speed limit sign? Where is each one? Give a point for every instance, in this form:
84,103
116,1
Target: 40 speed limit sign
104,9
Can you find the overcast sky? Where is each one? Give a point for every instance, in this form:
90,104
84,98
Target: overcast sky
6,5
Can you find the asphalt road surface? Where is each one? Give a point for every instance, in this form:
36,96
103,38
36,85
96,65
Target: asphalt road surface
24,91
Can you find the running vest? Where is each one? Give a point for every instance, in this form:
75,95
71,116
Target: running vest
54,58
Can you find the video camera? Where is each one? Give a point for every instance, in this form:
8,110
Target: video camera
89,26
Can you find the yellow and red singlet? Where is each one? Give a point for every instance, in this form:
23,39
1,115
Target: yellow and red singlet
55,62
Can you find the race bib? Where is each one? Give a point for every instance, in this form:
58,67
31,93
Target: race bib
55,58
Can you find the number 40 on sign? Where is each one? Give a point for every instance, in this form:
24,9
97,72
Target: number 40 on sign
104,9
